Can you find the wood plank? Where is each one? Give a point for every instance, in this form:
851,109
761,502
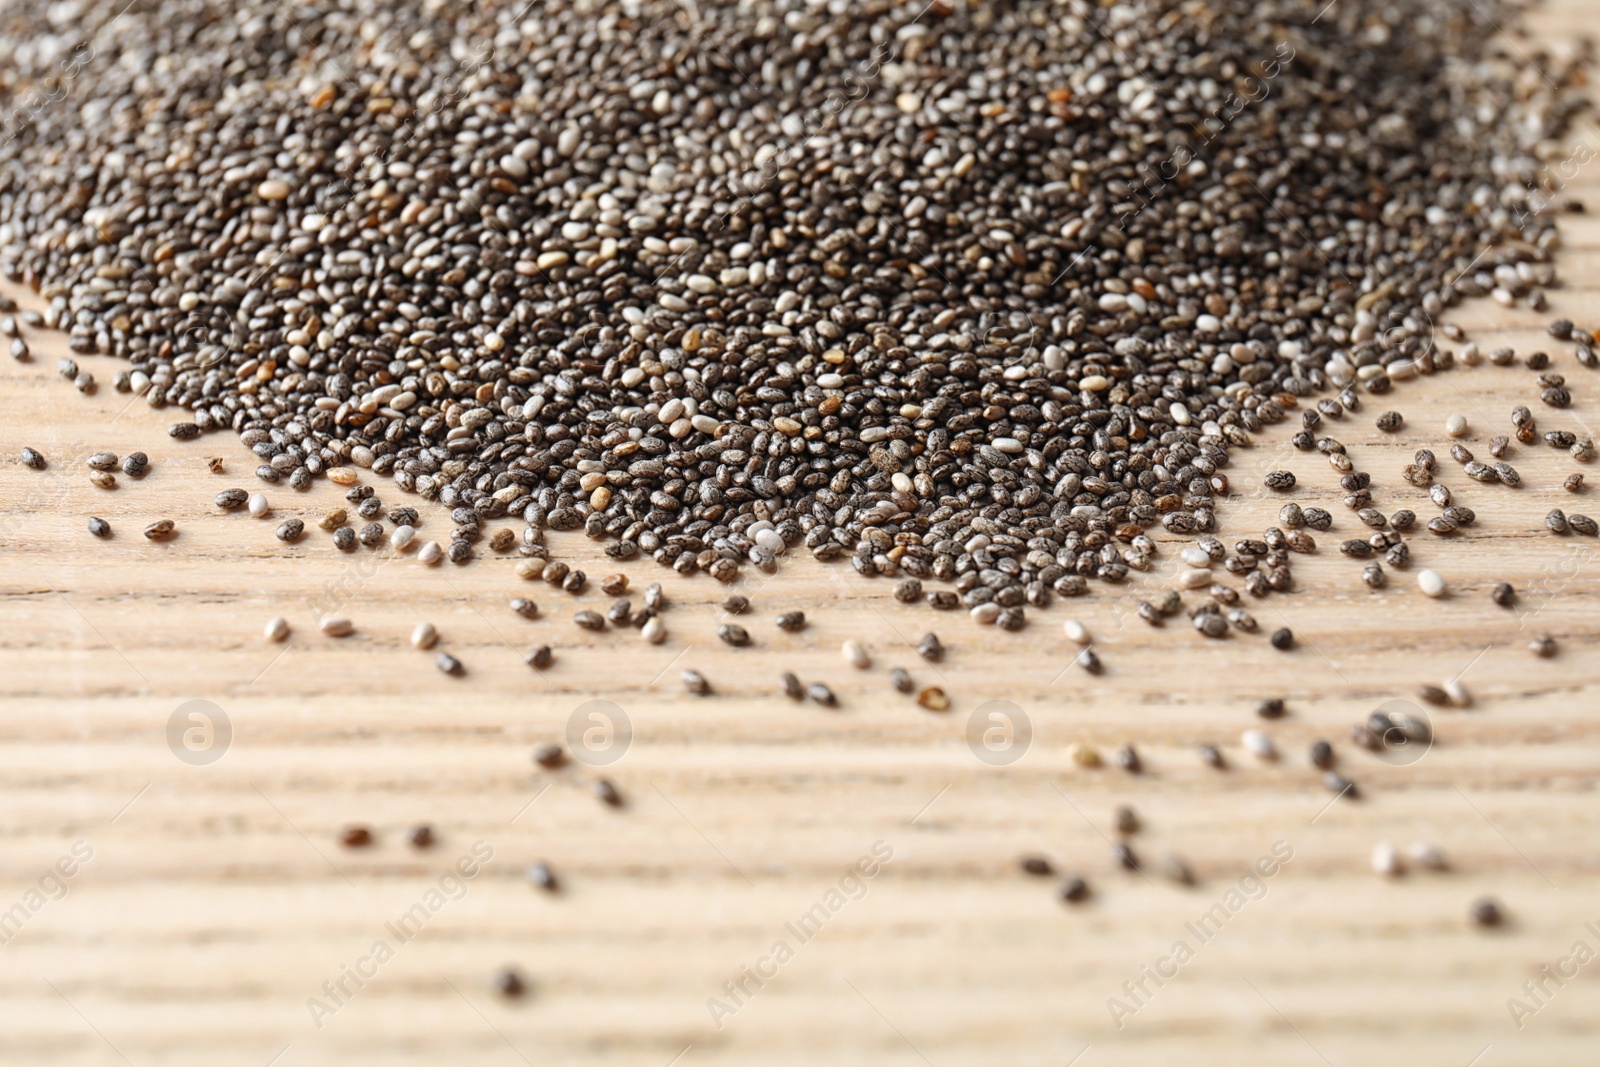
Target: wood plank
217,901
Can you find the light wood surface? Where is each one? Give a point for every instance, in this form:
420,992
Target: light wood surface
218,900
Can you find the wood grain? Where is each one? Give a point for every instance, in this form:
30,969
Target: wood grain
217,901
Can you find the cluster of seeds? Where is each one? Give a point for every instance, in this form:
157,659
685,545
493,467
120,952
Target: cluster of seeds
901,283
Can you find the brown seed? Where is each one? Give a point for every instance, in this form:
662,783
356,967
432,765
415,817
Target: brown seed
356,837
160,530
933,698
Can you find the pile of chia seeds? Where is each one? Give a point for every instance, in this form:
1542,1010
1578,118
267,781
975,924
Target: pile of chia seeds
972,292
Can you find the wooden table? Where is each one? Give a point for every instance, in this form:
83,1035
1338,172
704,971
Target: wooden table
216,900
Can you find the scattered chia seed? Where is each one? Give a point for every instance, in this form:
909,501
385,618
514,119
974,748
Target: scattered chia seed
99,527
792,621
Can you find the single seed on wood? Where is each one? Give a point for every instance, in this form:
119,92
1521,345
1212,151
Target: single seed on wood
736,605
1211,755
540,876
421,836
1177,870
1430,583
820,693
1373,575
425,636
430,553
258,506
1503,594
900,678
613,584
1271,708
695,682
653,631
371,534
1075,631
539,658
1544,645
1334,782
933,698
607,793
1211,623
277,629
1456,426
855,654
1084,755
355,837
530,569
1556,521
1573,484
448,663
1259,744
102,461
593,620
930,648
1280,480
32,459
1283,639
336,626
99,527
1583,524
1486,912
1128,759
401,537
549,756
792,621
135,464
290,530
1124,855
1386,859
1036,865
103,479
1321,754
524,607
730,634
157,531
333,519
791,686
